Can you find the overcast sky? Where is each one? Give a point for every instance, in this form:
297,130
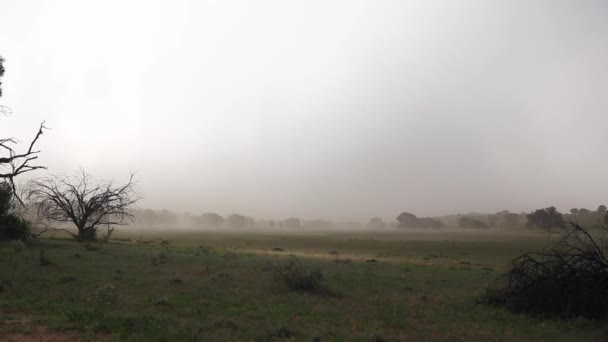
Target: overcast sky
318,109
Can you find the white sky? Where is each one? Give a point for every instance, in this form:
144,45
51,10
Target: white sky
318,109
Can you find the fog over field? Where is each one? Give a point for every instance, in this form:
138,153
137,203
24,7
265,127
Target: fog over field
281,170
333,110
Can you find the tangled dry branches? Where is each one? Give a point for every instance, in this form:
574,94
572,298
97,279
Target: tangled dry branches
568,278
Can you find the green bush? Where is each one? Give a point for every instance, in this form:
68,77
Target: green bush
12,226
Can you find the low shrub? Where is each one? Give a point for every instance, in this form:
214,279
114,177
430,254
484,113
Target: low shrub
160,259
568,278
84,319
204,249
44,260
293,274
225,324
13,227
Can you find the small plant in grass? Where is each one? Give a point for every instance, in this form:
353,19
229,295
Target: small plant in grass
90,247
280,333
122,240
343,261
17,245
229,255
283,332
293,274
105,294
160,259
84,318
225,324
376,336
163,301
150,328
204,249
337,260
67,279
44,260
176,280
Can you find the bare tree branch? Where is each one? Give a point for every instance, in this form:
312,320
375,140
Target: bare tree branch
17,163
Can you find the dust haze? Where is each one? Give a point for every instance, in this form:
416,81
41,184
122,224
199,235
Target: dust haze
328,112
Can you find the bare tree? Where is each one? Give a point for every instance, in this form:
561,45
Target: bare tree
86,203
13,163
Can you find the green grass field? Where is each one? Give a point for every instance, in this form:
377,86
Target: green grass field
201,286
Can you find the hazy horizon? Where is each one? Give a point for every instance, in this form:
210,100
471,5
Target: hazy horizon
340,110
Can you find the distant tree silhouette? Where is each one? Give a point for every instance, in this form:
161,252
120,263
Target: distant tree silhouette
429,222
508,219
167,217
409,220
85,203
512,219
237,221
316,224
547,219
292,222
156,217
588,218
468,222
376,223
574,211
210,219
148,217
583,211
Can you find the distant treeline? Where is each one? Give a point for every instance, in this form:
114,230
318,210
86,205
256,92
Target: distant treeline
164,217
546,218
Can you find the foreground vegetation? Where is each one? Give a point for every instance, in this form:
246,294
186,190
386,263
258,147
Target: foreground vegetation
189,286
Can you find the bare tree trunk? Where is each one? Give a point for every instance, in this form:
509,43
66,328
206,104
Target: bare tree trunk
86,234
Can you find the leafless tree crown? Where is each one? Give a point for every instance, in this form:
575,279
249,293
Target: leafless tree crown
86,203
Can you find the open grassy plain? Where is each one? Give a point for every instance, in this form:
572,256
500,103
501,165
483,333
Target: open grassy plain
148,285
